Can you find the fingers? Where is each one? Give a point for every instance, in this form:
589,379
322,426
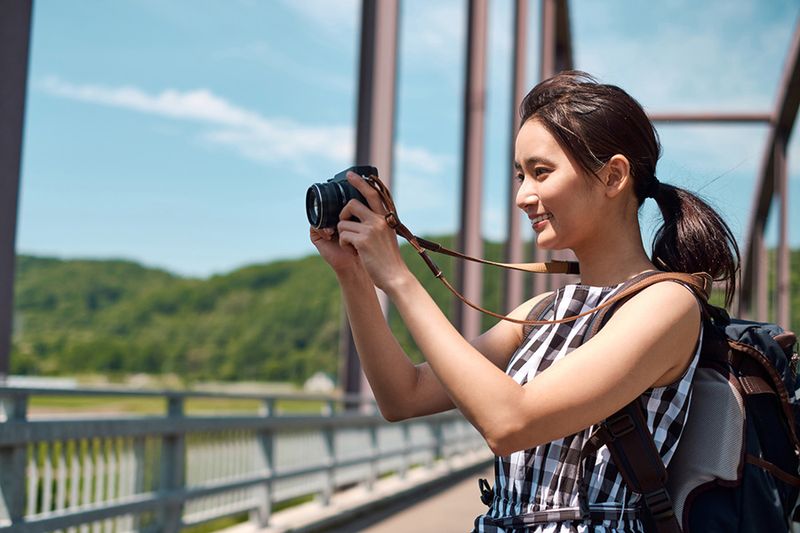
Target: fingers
321,233
368,192
354,208
346,241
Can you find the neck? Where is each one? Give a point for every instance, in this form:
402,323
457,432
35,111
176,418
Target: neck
613,260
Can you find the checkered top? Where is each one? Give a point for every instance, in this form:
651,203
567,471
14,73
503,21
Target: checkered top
543,479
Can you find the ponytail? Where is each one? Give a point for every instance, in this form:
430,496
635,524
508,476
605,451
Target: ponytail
592,122
694,238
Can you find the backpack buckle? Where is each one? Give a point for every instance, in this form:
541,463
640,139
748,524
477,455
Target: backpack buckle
487,494
659,504
619,426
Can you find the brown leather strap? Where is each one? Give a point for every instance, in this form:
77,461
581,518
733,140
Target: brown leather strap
773,469
700,282
551,267
756,385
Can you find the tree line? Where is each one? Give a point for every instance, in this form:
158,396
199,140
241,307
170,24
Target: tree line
277,321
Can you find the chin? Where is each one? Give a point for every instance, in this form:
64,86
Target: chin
547,242
550,243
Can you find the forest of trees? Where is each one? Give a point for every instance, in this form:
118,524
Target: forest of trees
277,321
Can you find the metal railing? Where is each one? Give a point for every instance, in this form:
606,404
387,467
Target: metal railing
174,470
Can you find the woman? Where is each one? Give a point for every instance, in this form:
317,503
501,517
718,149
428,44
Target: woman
585,156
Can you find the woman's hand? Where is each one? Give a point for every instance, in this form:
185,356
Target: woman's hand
342,260
371,238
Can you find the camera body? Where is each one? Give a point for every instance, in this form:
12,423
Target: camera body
324,201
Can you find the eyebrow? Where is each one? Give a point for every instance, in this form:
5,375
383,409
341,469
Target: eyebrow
533,161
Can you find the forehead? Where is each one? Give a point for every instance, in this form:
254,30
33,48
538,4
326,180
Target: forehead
534,141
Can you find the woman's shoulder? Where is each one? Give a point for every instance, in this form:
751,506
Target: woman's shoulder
523,312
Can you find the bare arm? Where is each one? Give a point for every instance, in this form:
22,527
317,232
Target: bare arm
402,389
648,342
628,356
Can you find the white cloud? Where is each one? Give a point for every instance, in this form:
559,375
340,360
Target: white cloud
252,135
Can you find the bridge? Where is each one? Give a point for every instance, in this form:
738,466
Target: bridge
285,462
311,462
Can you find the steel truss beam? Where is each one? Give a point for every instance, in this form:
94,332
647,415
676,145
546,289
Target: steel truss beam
513,279
556,55
15,28
468,274
374,139
773,179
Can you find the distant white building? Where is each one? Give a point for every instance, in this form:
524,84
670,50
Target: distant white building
41,382
319,383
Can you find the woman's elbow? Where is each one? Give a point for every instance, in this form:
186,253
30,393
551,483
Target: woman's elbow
507,440
501,447
393,414
497,441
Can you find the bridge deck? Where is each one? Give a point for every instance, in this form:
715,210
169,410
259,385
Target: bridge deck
432,501
453,509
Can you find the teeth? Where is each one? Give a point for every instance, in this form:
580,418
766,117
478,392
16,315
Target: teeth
540,218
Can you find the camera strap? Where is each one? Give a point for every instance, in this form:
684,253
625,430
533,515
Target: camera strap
700,283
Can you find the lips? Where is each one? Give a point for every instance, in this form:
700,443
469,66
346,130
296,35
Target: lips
540,218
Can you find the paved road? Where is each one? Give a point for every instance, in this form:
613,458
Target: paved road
447,511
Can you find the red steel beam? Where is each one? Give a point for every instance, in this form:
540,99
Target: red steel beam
513,279
556,55
468,274
374,138
783,120
782,258
15,29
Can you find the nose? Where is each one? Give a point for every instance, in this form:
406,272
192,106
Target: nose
526,195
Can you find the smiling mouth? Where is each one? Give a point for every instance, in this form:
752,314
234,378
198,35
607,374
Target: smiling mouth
535,220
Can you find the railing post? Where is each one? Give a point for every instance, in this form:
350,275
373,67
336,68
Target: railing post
440,450
12,465
330,465
173,469
268,407
374,454
405,457
265,462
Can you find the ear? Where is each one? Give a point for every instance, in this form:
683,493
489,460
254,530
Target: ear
617,175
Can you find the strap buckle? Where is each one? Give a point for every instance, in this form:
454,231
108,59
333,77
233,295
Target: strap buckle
619,426
487,494
391,219
659,504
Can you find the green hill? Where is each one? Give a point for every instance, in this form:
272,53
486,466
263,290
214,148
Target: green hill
278,321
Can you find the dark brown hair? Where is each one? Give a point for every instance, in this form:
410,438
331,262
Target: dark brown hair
593,122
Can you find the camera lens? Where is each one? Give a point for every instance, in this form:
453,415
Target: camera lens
314,206
324,201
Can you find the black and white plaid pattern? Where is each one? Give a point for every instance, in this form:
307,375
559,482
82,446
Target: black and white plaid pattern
543,479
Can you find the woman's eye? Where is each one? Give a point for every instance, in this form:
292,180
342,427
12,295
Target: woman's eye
519,176
539,172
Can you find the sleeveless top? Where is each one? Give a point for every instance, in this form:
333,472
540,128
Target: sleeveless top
544,478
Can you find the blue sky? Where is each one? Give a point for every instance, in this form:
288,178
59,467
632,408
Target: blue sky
183,134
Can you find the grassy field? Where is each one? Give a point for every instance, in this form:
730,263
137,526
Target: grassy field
40,406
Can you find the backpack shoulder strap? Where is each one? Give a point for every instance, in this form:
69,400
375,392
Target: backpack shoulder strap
626,434
538,312
698,284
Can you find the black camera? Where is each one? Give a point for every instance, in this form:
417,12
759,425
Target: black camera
324,201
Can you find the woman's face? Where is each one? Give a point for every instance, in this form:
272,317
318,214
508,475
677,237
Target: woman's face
561,202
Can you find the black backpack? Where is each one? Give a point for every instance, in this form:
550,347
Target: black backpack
736,465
